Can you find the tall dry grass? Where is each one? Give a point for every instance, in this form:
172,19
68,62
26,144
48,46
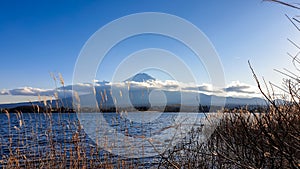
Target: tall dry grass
268,138
46,140
43,139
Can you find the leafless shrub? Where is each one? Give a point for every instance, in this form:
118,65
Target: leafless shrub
268,138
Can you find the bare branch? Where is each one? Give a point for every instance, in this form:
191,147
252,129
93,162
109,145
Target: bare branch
292,22
286,74
284,3
292,42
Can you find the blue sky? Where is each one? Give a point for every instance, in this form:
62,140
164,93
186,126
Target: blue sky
38,37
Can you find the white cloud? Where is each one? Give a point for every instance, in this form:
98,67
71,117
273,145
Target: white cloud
6,99
234,89
30,91
238,89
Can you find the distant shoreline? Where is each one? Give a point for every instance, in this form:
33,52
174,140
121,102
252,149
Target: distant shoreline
170,108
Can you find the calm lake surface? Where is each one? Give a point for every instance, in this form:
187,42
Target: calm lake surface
36,134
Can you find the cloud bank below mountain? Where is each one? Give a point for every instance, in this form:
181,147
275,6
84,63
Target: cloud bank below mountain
234,89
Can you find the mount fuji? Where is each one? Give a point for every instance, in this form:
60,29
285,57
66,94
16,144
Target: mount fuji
140,77
136,91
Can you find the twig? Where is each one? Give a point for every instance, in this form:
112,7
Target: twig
284,3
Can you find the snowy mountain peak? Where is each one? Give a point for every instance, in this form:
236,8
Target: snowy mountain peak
140,77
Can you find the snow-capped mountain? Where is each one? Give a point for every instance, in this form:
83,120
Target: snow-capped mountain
140,77
138,91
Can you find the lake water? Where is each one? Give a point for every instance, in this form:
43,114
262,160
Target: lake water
138,135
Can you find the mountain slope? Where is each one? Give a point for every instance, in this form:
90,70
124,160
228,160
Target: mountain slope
140,77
